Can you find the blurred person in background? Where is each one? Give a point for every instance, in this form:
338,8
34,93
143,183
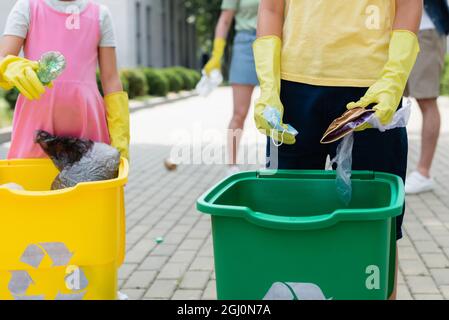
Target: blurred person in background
242,77
424,85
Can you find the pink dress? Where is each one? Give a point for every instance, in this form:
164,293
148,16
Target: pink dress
74,106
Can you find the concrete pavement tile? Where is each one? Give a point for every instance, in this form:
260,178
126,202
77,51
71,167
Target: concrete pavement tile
125,270
161,289
441,276
422,285
183,256
427,247
428,297
153,263
173,271
413,268
183,294
164,250
211,291
403,293
445,290
195,280
435,260
140,280
202,264
133,294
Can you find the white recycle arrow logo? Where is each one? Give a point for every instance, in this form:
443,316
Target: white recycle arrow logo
33,256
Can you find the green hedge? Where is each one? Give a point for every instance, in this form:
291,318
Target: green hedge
140,82
157,81
175,81
137,83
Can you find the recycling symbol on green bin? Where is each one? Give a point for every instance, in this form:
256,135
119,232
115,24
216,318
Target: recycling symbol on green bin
294,291
60,256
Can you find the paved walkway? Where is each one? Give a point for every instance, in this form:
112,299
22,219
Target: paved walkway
161,204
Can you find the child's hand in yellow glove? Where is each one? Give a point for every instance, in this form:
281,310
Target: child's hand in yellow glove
117,108
21,73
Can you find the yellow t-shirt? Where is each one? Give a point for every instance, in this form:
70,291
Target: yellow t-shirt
336,42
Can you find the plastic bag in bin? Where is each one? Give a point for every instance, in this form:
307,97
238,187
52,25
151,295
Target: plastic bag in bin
343,158
79,160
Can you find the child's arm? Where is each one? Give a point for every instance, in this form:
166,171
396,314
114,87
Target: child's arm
109,75
10,45
116,101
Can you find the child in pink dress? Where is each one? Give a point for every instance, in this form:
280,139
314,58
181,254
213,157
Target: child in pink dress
72,105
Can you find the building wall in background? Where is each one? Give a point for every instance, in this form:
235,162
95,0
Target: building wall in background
149,32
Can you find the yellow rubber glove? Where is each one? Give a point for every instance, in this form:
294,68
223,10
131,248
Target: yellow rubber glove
269,110
387,92
217,55
21,73
117,108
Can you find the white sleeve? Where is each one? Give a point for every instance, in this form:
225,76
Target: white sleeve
107,28
18,21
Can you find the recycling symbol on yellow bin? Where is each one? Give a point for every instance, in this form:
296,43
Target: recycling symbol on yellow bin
33,255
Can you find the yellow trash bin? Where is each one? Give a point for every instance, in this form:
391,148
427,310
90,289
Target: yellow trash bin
65,244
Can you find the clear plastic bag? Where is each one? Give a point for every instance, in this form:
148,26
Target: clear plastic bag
51,65
209,83
273,117
343,158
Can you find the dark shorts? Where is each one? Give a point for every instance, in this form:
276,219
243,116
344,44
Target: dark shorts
311,109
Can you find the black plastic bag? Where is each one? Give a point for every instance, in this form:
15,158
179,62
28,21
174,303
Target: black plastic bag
79,160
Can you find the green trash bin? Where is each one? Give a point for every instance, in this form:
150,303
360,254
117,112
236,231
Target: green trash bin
272,227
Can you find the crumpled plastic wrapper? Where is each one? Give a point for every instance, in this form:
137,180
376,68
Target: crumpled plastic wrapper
51,65
346,124
343,158
273,117
79,160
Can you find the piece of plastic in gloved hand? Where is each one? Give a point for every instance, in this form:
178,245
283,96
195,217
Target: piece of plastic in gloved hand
400,118
51,65
346,124
209,83
273,117
79,160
